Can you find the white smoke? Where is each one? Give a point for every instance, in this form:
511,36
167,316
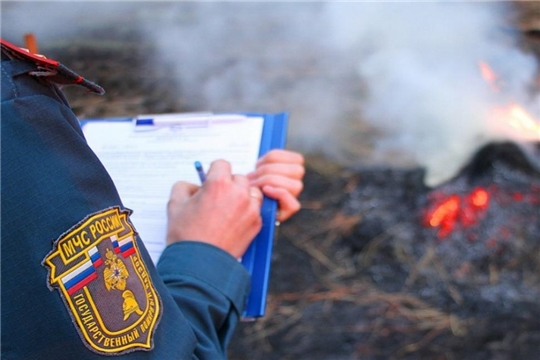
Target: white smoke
421,63
345,71
418,60
260,57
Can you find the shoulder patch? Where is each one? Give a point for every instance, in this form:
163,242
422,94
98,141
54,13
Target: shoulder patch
105,285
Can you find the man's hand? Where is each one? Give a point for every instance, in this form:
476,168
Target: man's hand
279,175
224,211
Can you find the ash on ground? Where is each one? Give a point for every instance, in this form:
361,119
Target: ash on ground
361,275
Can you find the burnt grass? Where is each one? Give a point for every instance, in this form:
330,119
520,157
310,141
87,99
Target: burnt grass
357,273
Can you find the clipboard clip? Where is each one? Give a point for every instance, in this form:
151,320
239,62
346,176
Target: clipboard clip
182,121
152,122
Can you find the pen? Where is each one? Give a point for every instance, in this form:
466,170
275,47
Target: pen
200,171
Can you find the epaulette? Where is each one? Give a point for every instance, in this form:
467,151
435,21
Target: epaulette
51,69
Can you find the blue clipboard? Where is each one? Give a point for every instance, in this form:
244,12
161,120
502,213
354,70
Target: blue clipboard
258,256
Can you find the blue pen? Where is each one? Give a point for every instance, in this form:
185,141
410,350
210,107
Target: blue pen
200,171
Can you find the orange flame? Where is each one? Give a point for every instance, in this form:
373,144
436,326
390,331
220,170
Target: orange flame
489,75
520,119
512,119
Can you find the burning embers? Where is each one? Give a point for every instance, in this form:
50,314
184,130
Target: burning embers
485,222
462,208
454,210
493,199
458,212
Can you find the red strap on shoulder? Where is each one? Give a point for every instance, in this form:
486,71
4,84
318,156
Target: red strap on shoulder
54,71
22,54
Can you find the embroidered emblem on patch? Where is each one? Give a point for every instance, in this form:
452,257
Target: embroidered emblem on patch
105,284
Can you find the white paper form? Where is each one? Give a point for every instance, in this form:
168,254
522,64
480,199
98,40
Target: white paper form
144,165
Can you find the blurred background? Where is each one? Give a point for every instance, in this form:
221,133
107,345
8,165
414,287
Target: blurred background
418,236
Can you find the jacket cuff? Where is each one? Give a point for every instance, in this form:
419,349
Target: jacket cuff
209,264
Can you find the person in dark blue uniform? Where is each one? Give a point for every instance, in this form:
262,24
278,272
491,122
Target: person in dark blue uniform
77,282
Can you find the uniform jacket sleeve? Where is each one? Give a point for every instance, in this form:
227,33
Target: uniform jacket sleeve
50,181
209,286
